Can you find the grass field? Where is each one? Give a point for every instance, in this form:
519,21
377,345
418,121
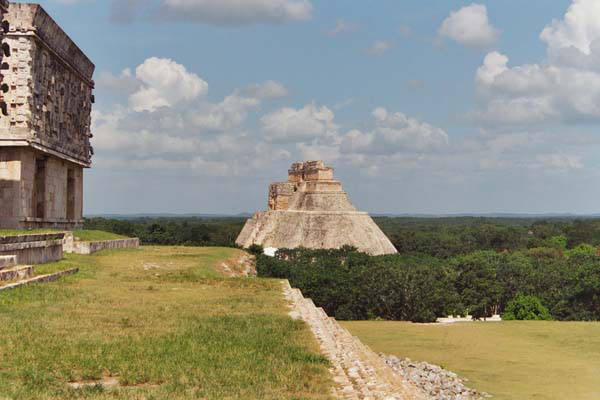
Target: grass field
80,234
164,323
510,360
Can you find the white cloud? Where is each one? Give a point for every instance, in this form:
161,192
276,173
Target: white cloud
379,47
238,12
579,28
564,89
165,83
168,125
288,125
469,26
394,133
214,12
125,84
266,90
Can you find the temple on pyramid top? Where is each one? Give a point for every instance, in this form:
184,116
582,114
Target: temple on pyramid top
311,210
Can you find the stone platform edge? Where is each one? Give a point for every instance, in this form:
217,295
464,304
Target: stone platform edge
357,371
71,245
40,279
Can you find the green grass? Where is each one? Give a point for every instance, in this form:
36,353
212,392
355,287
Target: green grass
93,235
165,323
510,360
16,232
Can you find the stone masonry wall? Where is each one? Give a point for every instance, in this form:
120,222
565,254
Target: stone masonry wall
10,185
80,247
33,249
50,80
17,180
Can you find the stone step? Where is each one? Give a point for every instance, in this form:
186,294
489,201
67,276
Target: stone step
40,279
15,273
8,261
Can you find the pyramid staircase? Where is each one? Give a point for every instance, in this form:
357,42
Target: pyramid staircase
359,373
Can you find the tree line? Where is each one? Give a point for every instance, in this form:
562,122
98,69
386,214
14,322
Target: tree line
445,266
188,231
354,286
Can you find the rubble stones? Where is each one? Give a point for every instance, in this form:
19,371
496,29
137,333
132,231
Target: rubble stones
437,382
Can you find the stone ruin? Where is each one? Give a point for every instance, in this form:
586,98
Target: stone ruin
45,130
311,210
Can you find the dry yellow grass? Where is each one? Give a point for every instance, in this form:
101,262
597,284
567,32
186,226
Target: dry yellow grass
165,323
511,360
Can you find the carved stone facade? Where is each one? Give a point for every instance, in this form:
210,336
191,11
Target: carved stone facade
45,139
312,210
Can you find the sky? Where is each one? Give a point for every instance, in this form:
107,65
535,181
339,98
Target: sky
421,107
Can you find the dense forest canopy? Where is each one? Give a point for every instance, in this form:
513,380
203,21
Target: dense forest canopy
480,266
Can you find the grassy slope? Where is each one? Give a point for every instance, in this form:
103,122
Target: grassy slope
162,321
511,360
80,234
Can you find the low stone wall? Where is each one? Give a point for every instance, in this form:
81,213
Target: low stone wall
81,247
40,279
33,249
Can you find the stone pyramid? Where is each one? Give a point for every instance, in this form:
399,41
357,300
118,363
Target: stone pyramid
311,210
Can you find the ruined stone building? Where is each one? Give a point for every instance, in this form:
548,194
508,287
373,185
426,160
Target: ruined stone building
312,210
45,134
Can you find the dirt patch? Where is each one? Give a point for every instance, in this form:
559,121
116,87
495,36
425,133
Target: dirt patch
108,382
241,264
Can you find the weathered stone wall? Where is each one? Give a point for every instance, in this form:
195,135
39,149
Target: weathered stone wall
10,186
49,117
80,247
279,195
33,249
17,187
50,80
309,171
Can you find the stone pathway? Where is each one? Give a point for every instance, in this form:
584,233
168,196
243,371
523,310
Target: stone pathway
358,372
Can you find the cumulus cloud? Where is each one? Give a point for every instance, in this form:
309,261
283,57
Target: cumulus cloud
578,29
393,133
378,48
469,26
566,88
164,83
215,12
167,123
288,125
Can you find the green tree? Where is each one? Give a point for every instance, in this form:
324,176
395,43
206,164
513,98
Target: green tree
526,308
477,282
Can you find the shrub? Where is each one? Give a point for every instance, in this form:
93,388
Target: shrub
526,308
256,249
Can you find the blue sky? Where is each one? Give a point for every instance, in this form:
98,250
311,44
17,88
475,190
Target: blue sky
421,107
